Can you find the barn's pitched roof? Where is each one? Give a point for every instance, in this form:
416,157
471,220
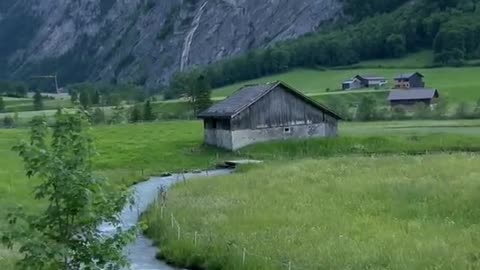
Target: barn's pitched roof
351,80
370,77
413,94
408,75
248,95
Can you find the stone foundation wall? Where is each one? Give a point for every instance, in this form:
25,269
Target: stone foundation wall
242,138
218,137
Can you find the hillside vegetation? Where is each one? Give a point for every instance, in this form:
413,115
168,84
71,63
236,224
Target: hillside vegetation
396,213
449,28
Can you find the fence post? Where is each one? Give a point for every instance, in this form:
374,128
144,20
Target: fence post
195,239
244,256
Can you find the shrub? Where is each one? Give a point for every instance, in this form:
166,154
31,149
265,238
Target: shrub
98,116
8,121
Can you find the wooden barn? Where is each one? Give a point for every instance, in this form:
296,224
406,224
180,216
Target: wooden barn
264,112
413,96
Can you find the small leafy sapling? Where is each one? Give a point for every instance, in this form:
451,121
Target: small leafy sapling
66,235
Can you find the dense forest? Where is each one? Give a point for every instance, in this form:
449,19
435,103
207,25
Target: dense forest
380,29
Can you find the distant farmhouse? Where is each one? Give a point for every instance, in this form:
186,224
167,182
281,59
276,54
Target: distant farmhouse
264,112
352,84
361,81
413,96
409,80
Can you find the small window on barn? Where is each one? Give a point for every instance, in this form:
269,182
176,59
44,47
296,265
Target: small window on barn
214,124
287,130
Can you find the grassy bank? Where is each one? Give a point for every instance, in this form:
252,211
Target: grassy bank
129,153
398,212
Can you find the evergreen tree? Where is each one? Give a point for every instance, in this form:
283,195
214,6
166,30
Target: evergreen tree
37,101
21,90
195,87
135,114
148,114
65,234
74,97
96,98
85,99
2,104
395,45
8,121
203,95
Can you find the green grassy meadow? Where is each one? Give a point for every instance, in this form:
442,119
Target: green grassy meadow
129,153
396,212
455,84
26,104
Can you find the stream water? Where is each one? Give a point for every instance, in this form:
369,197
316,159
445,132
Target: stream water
141,253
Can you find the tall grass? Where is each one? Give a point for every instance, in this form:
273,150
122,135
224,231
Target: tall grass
371,145
393,212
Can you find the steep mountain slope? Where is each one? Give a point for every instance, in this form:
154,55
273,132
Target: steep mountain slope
144,41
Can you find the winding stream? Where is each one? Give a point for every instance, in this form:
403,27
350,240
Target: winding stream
141,253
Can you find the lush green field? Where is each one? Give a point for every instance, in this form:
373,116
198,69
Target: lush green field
398,212
455,84
129,153
26,104
173,110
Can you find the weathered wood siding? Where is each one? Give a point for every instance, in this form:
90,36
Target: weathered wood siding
416,81
411,102
279,108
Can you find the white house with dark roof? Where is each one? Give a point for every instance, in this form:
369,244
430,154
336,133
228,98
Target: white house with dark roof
265,112
372,80
352,84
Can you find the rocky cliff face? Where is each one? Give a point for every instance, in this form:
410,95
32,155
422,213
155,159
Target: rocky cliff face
144,40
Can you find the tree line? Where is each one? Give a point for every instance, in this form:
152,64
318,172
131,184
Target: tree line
450,27
13,88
